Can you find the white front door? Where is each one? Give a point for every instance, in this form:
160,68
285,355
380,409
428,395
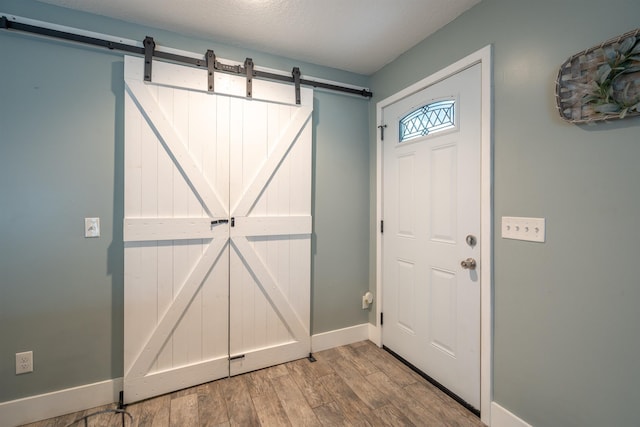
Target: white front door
431,204
217,228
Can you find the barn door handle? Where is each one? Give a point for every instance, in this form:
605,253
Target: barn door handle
468,263
219,221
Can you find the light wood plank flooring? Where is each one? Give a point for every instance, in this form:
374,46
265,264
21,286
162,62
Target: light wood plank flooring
353,385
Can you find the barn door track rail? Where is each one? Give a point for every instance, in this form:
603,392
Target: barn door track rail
210,62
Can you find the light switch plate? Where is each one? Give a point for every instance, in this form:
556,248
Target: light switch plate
521,228
92,227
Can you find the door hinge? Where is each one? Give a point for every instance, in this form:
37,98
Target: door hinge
381,319
381,127
382,226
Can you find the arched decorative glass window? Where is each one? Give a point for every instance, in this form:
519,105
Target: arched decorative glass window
430,118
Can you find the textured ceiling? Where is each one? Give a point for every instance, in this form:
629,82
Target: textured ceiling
354,35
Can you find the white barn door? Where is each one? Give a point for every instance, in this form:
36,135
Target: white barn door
196,164
271,235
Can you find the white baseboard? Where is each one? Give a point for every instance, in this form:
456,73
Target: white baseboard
375,335
61,402
501,417
338,337
54,404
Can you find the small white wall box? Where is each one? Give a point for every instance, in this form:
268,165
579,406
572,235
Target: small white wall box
92,227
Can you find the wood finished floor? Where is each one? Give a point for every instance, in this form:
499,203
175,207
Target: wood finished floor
353,385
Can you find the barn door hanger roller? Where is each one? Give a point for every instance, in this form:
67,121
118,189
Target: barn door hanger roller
213,65
210,61
149,51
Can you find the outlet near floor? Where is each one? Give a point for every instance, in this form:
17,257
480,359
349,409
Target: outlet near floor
24,362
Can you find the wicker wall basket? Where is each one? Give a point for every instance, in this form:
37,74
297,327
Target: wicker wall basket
601,83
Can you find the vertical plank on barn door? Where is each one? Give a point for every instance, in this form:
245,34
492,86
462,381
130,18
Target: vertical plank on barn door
270,252
176,268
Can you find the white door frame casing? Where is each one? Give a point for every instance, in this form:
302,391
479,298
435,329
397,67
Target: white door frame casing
483,57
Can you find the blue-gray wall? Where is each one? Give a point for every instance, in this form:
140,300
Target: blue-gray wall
567,322
566,317
61,159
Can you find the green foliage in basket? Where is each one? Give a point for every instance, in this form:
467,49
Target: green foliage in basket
604,90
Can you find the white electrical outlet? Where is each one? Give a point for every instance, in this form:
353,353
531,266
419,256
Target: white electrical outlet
24,362
520,228
367,300
92,227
